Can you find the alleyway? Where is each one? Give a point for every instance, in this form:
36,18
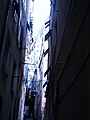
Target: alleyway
44,59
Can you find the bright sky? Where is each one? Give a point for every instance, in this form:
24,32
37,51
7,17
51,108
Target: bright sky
41,11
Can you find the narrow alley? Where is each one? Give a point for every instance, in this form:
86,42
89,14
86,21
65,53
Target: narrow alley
44,59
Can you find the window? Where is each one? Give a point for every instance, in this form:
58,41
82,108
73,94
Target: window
20,36
12,81
48,35
6,55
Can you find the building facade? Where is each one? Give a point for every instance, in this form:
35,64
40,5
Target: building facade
68,95
11,68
